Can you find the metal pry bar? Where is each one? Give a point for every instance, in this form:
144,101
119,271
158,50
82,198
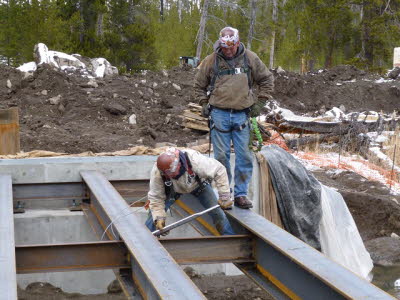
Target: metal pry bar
183,221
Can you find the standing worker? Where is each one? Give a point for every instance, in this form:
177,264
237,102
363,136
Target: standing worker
182,172
223,86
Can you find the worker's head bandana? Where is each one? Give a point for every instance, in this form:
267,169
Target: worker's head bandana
227,41
171,151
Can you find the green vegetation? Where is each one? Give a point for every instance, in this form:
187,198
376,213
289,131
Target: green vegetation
133,35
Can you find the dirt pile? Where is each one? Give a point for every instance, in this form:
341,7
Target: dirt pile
73,114
356,90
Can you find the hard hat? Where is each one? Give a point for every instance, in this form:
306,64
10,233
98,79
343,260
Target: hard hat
168,162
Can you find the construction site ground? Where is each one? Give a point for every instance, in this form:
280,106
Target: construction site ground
86,117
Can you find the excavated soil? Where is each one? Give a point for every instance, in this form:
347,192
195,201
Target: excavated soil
214,287
83,117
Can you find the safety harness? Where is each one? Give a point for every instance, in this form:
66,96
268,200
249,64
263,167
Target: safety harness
217,72
233,71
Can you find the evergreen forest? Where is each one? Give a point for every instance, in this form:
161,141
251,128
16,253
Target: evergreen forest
134,35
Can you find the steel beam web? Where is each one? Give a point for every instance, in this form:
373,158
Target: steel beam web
288,268
155,272
8,277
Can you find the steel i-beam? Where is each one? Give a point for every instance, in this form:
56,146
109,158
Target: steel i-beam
288,268
113,254
154,271
8,277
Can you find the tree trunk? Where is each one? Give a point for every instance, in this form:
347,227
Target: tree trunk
162,9
274,20
252,22
180,11
131,12
202,28
99,25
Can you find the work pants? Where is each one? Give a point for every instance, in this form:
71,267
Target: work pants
226,128
207,199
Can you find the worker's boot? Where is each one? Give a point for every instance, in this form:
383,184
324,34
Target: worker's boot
243,202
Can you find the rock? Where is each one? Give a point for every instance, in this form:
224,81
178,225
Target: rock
59,60
385,251
114,287
115,109
279,70
9,85
342,108
393,74
165,144
61,108
397,284
92,83
177,87
190,272
155,84
44,92
101,67
55,100
228,289
115,95
168,118
143,81
165,73
132,119
395,236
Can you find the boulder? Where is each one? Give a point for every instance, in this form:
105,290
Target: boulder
393,74
56,59
100,67
115,109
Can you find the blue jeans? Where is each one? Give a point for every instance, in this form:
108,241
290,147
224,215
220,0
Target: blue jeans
208,199
230,121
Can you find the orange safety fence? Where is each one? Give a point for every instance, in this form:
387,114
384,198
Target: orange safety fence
356,165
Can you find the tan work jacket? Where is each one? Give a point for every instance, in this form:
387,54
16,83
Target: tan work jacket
232,91
204,167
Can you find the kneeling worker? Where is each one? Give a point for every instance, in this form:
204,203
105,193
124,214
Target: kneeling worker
179,172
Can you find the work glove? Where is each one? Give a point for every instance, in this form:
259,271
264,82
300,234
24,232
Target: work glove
225,201
205,110
160,224
257,107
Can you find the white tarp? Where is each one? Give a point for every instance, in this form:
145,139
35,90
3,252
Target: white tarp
340,239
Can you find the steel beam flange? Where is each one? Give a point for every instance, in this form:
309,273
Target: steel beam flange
8,277
285,266
155,272
299,270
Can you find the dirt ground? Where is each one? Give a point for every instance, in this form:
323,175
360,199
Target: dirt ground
94,117
214,287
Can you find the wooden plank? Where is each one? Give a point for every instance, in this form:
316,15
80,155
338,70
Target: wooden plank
9,131
189,114
194,106
193,125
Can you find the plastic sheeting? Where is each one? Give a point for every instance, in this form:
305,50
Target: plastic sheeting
339,236
298,195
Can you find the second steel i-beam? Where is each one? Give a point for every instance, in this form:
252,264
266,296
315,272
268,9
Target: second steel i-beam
8,277
285,266
154,271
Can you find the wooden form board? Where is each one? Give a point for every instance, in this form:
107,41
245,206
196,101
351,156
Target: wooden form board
9,131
